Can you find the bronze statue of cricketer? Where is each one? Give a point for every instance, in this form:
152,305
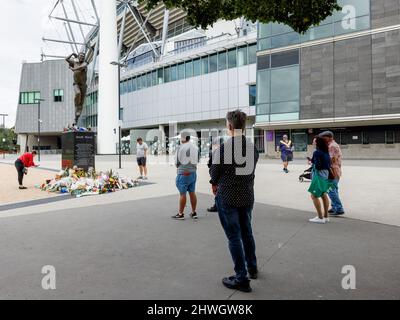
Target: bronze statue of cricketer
79,66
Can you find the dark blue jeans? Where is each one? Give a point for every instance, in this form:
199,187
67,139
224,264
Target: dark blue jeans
236,223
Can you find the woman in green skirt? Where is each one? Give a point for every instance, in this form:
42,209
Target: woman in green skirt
320,181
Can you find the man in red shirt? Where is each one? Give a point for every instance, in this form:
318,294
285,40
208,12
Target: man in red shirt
23,162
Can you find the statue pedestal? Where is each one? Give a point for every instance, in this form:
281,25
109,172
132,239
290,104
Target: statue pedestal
78,149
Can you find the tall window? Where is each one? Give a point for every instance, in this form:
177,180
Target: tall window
278,87
213,63
252,95
58,95
29,97
232,58
242,56
222,60
204,64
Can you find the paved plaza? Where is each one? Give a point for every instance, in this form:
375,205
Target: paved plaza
125,245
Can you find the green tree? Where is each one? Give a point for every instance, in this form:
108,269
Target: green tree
298,14
8,139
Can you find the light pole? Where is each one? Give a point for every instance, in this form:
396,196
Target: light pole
4,130
119,65
38,101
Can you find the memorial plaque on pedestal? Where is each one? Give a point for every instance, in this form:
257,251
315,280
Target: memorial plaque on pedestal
78,149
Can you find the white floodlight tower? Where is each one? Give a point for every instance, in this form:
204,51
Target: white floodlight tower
108,110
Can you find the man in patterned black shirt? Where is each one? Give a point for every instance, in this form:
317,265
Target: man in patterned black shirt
232,179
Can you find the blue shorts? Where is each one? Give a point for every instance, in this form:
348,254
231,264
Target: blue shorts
186,183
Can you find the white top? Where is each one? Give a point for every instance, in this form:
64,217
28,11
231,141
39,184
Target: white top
141,150
187,158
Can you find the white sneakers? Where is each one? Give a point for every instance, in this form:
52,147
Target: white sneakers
319,221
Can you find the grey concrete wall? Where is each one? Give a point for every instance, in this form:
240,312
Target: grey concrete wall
364,72
386,72
46,77
316,88
353,77
385,13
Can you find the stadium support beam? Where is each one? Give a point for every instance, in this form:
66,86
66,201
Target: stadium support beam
165,31
142,30
69,25
74,21
122,31
108,108
63,41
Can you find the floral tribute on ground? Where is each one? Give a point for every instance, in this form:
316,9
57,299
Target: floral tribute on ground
79,183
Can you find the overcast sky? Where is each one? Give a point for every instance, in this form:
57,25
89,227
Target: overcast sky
21,31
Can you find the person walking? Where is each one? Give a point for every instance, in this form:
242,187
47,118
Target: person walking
187,158
336,157
21,164
141,157
320,181
232,177
286,149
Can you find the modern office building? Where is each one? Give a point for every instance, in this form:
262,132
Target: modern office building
52,82
343,75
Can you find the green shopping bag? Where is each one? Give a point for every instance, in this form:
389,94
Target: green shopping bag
319,185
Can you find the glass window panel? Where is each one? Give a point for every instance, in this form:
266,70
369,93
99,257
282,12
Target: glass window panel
300,141
252,95
189,69
264,86
262,118
181,71
263,109
282,59
264,62
134,87
285,84
160,76
284,117
285,40
197,67
232,58
242,56
31,97
285,107
167,74
352,25
204,63
213,63
264,44
222,61
320,32
352,9
264,30
154,78
139,82
279,28
149,82
144,81
252,53
174,73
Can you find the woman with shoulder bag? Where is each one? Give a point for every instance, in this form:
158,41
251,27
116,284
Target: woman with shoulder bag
320,183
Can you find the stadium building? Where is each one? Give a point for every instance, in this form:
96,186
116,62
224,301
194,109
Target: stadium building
173,73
